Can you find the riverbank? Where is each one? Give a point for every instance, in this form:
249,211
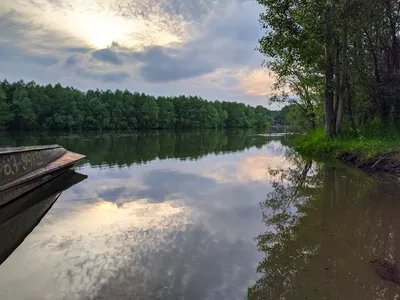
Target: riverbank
378,151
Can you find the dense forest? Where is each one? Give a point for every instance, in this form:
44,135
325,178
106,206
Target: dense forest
340,58
30,106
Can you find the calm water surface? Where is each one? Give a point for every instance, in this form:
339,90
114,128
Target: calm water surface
206,215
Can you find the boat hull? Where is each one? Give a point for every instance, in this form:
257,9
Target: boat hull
20,217
25,168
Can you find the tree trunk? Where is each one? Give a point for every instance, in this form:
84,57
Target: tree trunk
344,80
329,72
391,97
395,75
349,106
313,123
337,98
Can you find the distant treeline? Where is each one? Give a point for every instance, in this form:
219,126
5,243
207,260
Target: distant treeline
30,106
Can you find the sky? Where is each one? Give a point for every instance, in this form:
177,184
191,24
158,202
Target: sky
158,47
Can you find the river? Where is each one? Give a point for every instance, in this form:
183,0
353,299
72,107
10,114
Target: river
207,215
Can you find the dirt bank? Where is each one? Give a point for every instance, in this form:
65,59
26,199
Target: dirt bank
387,162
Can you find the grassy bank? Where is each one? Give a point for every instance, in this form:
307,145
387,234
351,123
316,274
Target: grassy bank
376,148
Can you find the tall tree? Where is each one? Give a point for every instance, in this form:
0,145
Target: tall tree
6,114
346,50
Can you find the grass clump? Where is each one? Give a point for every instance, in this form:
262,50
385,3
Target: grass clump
367,143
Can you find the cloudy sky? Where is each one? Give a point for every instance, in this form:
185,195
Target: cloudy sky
160,47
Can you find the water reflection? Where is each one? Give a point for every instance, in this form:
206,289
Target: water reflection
325,224
124,149
180,224
142,227
19,217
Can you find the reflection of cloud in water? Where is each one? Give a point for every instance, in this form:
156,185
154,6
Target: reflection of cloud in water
92,245
189,264
112,194
228,209
156,181
254,166
160,184
146,251
250,169
114,184
164,230
228,204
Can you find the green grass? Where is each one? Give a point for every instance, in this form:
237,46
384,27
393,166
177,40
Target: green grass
367,143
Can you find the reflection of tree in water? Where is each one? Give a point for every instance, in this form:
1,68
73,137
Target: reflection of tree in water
324,226
111,148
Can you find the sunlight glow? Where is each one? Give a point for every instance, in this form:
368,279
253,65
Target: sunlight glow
103,37
97,24
100,29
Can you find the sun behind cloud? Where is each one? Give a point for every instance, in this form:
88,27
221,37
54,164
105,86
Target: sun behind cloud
98,29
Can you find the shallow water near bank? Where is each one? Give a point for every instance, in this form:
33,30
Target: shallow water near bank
195,215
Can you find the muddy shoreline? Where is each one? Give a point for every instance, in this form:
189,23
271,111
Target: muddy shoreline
386,162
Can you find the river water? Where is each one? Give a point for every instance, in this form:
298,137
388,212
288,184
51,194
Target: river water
207,215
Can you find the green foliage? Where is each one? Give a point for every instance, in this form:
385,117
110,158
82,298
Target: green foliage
340,58
367,142
294,38
31,106
6,114
166,114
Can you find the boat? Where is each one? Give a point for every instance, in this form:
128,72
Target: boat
18,218
25,168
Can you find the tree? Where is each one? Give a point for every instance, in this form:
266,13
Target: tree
166,115
222,114
147,112
344,54
6,114
96,115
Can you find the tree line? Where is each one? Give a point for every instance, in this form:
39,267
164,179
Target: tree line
341,58
30,106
